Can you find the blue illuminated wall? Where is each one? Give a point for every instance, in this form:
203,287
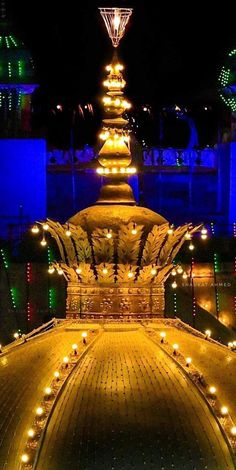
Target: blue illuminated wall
22,180
232,191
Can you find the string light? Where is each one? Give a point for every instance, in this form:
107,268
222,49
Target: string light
179,270
212,228
175,303
51,269
45,226
173,272
43,241
35,229
174,285
191,246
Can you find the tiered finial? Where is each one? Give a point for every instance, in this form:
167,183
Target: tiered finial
116,20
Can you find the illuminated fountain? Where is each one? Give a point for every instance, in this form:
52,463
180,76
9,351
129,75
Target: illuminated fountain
115,255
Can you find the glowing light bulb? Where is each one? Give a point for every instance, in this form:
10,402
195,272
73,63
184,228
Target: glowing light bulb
184,275
208,333
16,335
74,347
179,270
31,433
130,275
39,411
134,230
45,226
191,247
173,272
78,270
105,270
174,285
35,229
203,236
99,171
233,431
56,374
109,234
153,271
48,391
43,242
230,344
24,458
224,410
60,271
114,170
212,390
116,21
204,231
170,230
51,269
188,236
175,348
68,232
162,335
66,359
84,334
188,361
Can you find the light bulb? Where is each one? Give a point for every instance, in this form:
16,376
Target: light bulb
175,346
66,359
105,270
43,242
188,236
188,361
31,433
179,270
78,270
212,390
224,410
184,275
48,390
130,274
134,230
208,333
60,271
35,229
174,285
170,230
116,21
39,411
173,272
191,247
153,271
68,232
74,347
24,458
51,269
109,234
56,374
84,334
45,226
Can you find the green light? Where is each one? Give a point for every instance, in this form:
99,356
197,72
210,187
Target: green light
20,67
7,42
51,298
9,70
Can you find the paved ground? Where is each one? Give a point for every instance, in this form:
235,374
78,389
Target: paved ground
24,373
128,406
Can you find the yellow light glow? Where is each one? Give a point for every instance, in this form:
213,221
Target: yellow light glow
108,68
56,374
84,334
116,21
122,170
173,272
45,226
230,344
31,432
51,269
74,346
188,236
185,275
39,411
162,334
212,390
78,270
60,271
114,170
48,390
208,333
24,458
188,360
130,274
16,335
66,359
170,230
224,410
105,270
191,247
43,242
175,346
233,431
35,229
153,271
68,233
100,171
174,285
109,234
234,343
179,270
203,237
204,231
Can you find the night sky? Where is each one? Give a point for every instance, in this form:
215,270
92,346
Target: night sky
172,52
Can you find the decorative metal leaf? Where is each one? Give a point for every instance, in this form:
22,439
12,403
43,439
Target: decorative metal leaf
87,275
163,274
103,247
123,271
153,244
181,242
105,277
69,273
82,244
53,231
170,243
129,243
145,275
